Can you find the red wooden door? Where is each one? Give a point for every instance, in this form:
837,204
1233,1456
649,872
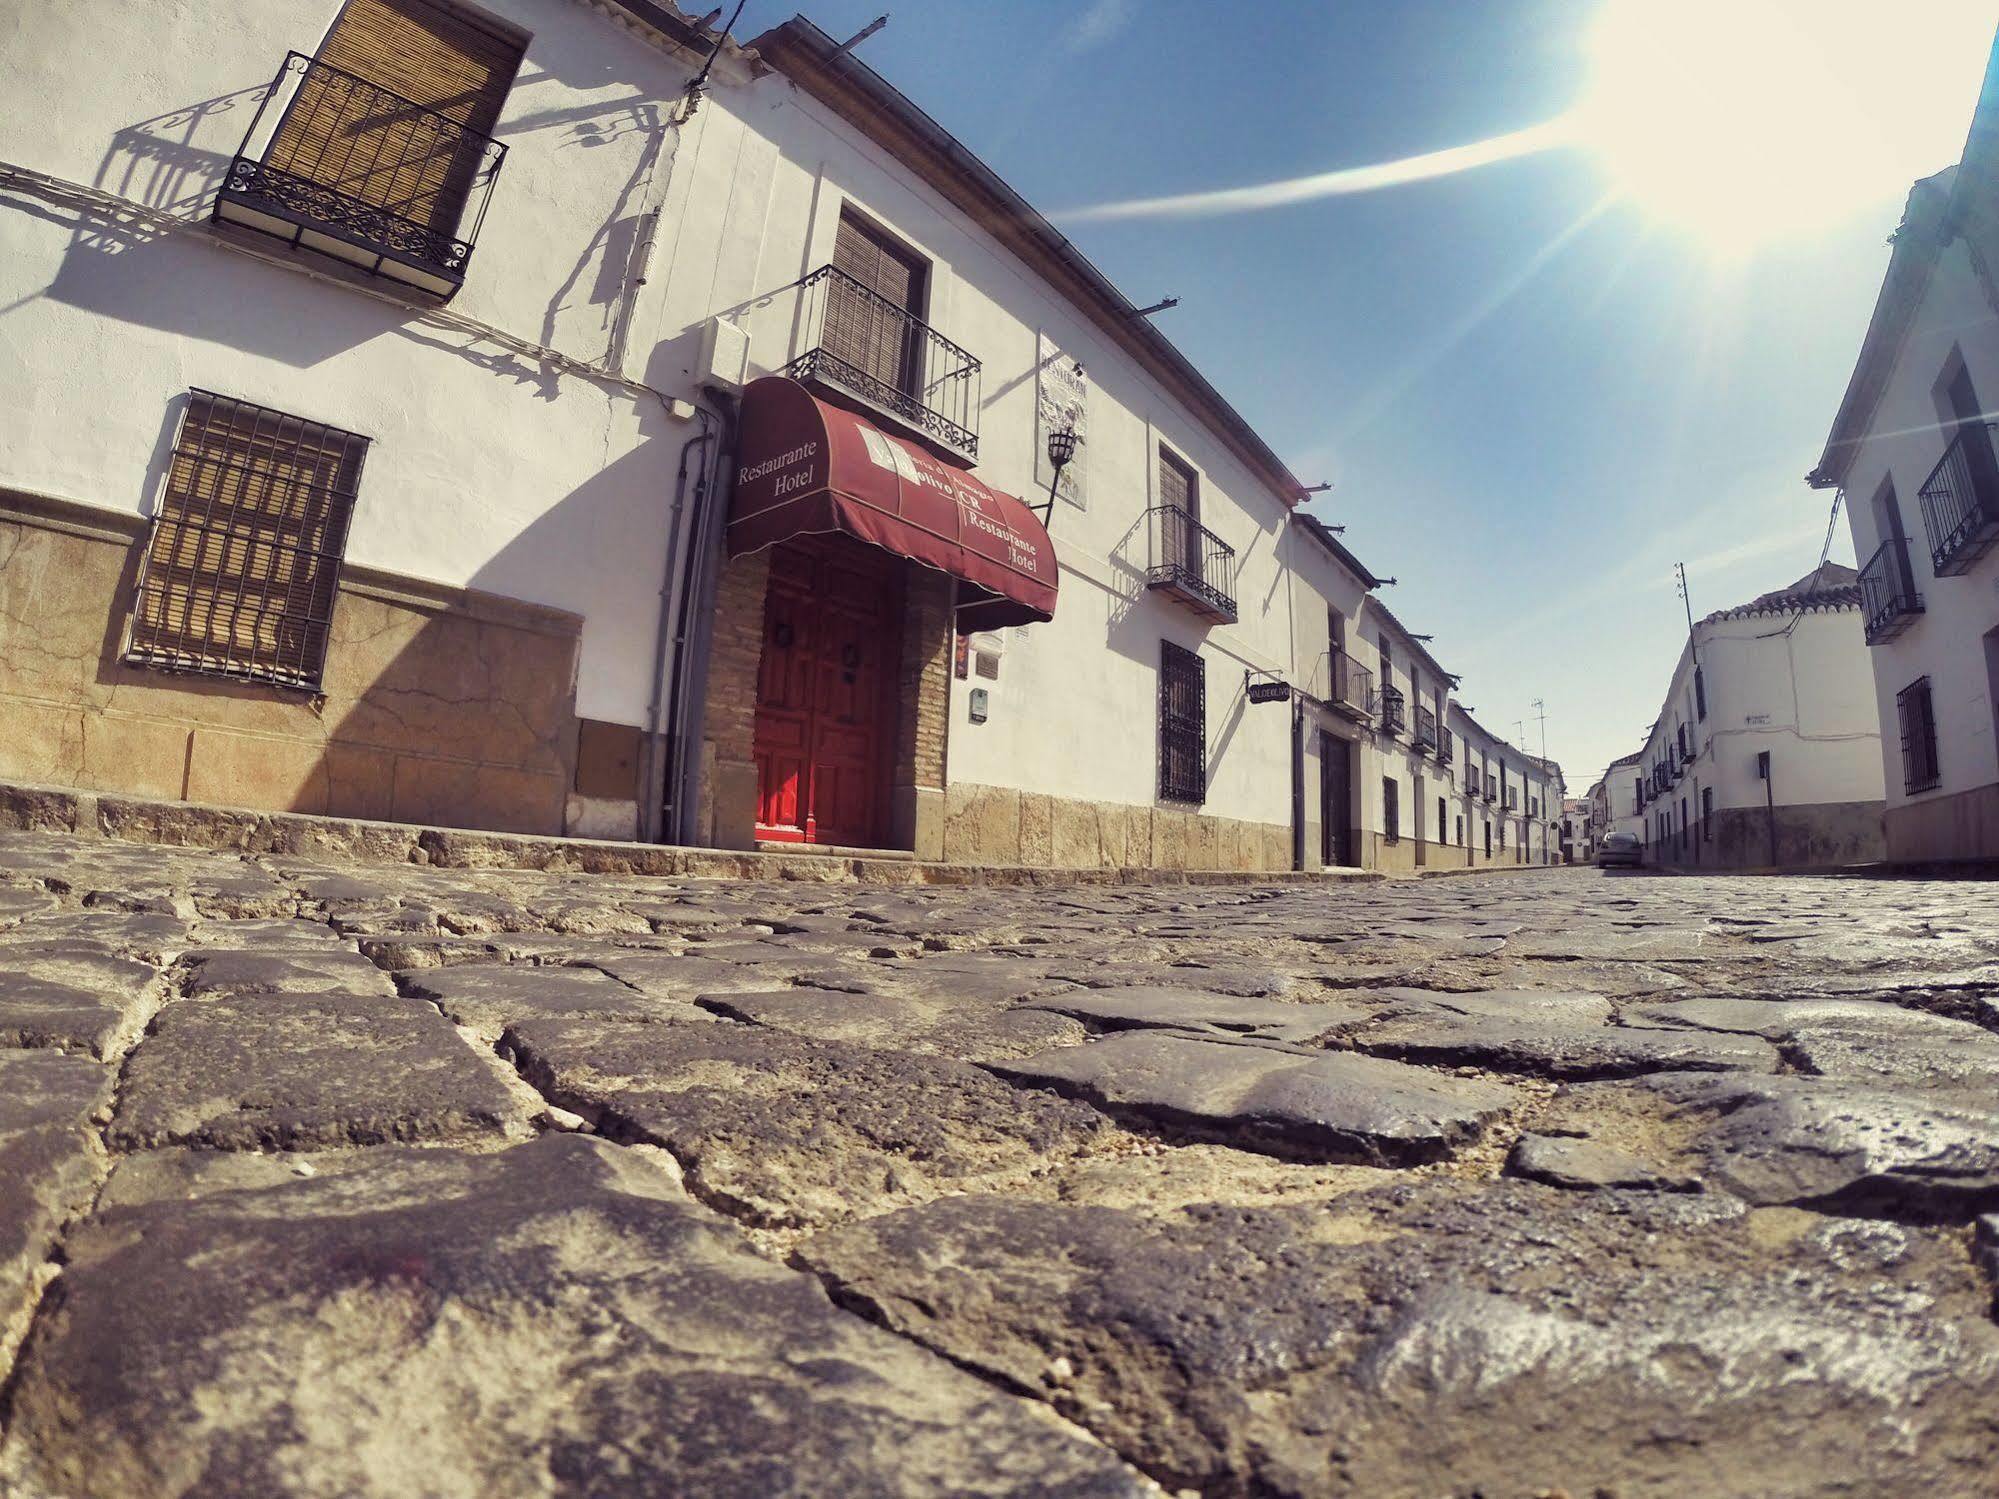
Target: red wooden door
826,693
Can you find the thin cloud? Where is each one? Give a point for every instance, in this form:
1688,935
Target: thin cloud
1099,22
1265,195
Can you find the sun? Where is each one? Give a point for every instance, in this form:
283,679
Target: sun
1743,123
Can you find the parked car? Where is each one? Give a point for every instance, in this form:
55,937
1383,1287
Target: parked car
1620,849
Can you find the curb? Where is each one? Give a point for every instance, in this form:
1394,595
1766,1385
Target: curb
351,840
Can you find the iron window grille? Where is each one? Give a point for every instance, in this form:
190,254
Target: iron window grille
1191,563
1960,501
339,165
242,565
1889,602
1471,780
1391,810
864,345
1183,725
1445,751
1919,737
1700,694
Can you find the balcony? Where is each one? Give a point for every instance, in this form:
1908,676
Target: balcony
1393,714
1445,754
1425,737
1889,602
1352,687
863,347
1961,501
1191,563
337,165
1471,781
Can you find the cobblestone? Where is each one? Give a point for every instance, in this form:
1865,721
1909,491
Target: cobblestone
381,1179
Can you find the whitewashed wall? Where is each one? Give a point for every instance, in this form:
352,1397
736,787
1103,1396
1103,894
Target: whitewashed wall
1904,442
489,468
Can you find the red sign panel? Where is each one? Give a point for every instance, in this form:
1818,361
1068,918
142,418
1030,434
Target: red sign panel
807,467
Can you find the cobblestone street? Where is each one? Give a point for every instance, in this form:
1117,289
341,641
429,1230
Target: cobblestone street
394,1180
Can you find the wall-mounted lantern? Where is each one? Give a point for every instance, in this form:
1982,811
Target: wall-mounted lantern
1061,448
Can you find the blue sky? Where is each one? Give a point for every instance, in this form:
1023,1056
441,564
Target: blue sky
1533,392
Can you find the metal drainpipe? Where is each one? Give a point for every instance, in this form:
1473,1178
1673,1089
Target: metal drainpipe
652,779
1297,783
687,700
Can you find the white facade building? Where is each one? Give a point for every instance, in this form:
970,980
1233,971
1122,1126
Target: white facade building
645,450
1912,452
1766,753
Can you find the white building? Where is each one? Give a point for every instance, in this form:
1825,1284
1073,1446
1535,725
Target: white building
1766,753
550,415
1912,452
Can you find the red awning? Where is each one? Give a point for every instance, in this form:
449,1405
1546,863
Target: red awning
806,467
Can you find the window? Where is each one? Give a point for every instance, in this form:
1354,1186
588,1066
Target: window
1183,725
243,561
873,307
1707,814
1488,840
1391,811
1919,736
1442,819
1700,695
378,145
1461,832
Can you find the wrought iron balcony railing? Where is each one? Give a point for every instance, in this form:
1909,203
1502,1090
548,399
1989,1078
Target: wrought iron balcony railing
335,164
1426,729
1191,563
1961,501
859,343
1471,781
1889,602
1352,686
1394,714
1445,753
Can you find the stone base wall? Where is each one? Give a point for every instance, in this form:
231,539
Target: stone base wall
1817,836
999,825
439,705
1945,829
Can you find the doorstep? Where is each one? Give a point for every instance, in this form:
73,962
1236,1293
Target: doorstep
831,850
353,840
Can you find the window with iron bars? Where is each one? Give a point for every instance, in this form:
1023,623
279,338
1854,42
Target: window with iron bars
1391,810
1919,736
243,561
1183,725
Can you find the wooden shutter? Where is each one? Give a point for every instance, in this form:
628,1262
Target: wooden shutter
243,561
871,318
403,124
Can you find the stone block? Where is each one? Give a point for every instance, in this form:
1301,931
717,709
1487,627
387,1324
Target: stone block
140,756
1202,847
457,793
1169,838
982,825
41,742
1037,829
254,770
1075,844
